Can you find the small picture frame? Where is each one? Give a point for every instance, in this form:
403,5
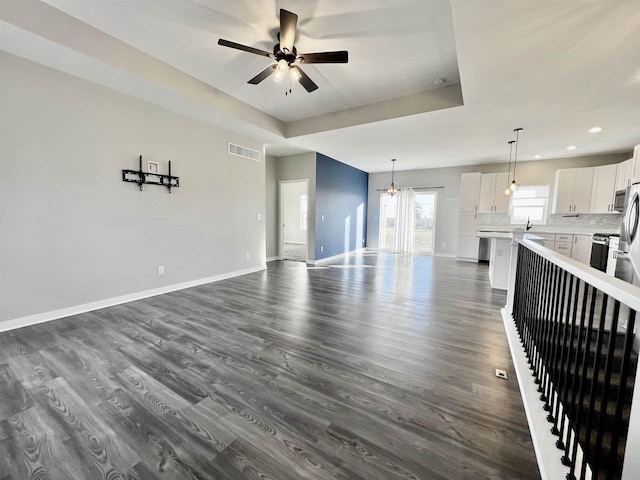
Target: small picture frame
153,168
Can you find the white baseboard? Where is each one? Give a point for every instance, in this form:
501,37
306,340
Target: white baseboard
445,255
544,442
334,257
109,302
465,259
273,259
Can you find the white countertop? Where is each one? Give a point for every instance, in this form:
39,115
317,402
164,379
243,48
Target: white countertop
546,229
493,234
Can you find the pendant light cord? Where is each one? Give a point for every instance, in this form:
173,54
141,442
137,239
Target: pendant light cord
510,152
515,158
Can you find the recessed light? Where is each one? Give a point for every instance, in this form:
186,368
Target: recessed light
538,157
571,147
595,130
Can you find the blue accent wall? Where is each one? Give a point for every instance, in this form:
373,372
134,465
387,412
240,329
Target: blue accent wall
341,198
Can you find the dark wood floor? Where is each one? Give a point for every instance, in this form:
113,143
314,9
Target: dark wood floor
381,369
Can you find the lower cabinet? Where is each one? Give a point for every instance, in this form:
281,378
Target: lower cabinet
581,250
468,241
577,247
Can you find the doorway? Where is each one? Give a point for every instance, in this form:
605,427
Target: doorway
424,223
294,219
425,226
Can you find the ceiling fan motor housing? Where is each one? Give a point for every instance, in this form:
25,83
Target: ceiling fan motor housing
288,57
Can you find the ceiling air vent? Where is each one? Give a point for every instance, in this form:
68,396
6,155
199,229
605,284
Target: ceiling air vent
244,152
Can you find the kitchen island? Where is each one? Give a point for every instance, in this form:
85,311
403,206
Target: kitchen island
499,257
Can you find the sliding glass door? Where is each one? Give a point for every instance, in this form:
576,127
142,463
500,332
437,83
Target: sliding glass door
424,222
425,226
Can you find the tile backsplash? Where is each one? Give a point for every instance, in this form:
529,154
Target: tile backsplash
583,220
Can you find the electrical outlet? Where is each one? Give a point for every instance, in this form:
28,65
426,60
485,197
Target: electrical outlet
258,216
161,270
321,249
248,255
322,217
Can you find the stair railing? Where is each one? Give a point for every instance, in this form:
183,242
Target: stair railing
576,326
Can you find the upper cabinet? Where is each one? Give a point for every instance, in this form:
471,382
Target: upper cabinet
635,168
492,198
624,174
470,192
603,189
572,192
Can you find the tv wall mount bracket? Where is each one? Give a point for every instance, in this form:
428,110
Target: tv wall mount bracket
150,178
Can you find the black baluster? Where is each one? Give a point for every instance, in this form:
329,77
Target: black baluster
575,382
622,390
588,453
565,358
608,369
560,333
542,336
583,385
551,343
537,328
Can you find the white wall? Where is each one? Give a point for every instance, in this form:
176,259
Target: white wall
528,173
72,232
271,206
302,167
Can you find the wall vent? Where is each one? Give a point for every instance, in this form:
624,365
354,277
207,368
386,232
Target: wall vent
244,152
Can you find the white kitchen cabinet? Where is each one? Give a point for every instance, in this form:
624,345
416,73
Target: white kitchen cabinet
563,244
492,198
470,192
468,241
624,174
563,248
603,189
581,249
572,191
635,175
548,239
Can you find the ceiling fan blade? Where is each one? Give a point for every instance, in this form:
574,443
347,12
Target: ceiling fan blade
262,75
288,24
341,56
244,48
305,81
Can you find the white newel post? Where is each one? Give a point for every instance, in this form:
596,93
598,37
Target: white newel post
517,235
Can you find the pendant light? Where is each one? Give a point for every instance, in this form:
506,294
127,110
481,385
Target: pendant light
514,185
393,188
507,189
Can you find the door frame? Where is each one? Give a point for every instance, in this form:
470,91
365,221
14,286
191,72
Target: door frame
280,217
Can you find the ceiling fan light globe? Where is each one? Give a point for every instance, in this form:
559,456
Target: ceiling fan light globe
295,74
283,66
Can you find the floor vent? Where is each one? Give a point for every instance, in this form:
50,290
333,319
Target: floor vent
244,152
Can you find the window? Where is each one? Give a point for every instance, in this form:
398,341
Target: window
529,203
303,211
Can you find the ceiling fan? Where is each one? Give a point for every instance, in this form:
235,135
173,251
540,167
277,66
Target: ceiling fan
286,55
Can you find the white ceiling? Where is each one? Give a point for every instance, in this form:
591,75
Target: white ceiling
556,68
